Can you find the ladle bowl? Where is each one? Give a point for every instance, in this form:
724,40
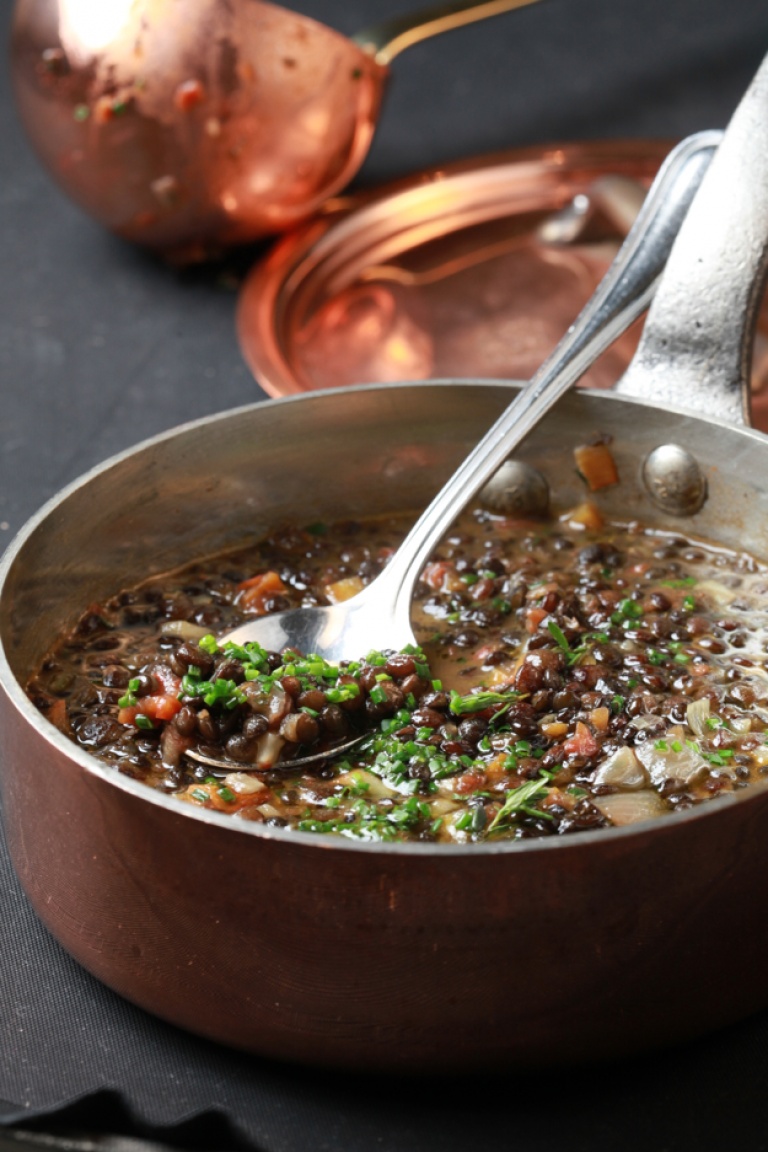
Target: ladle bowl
191,125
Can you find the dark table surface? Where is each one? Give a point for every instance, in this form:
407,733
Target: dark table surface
101,346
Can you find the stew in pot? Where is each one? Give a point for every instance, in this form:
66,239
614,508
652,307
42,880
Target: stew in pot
572,675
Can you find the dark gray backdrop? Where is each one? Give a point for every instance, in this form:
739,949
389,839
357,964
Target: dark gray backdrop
101,346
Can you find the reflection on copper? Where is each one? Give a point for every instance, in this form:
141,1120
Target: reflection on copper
252,114
367,333
448,271
568,259
189,124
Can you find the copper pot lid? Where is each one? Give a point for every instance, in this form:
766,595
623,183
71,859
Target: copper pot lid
466,271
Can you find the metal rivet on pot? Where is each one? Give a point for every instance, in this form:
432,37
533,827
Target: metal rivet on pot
518,488
674,480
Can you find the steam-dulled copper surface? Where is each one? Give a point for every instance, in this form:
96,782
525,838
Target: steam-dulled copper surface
448,273
185,125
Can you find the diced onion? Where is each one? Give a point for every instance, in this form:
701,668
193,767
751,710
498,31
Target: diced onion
644,720
442,806
268,810
375,789
243,783
716,591
622,769
697,714
671,758
185,629
268,749
631,807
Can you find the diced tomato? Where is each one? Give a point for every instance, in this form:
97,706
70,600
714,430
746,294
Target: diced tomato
167,679
534,617
153,707
483,589
252,594
582,743
557,798
469,782
435,574
188,94
486,650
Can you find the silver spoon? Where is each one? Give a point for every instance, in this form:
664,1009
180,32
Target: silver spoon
221,766
378,618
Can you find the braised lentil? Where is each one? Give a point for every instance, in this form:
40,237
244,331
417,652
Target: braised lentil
568,679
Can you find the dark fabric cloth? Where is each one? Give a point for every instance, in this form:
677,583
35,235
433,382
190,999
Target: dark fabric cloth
101,346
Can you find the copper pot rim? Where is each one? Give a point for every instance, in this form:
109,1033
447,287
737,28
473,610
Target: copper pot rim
67,748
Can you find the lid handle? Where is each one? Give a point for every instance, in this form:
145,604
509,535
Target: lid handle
696,347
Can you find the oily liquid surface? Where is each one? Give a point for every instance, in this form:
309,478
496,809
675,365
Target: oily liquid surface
569,679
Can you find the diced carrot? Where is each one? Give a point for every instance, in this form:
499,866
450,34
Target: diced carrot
344,589
554,730
210,796
599,718
597,465
58,715
252,593
585,515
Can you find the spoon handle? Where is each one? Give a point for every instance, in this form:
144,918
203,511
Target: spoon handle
621,297
386,40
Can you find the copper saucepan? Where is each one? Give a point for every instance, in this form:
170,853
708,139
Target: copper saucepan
409,956
188,125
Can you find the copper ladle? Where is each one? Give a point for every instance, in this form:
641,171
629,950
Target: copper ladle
191,125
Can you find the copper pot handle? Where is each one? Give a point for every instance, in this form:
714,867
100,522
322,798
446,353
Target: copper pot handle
696,348
386,40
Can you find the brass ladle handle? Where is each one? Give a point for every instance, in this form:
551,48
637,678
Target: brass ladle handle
386,40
